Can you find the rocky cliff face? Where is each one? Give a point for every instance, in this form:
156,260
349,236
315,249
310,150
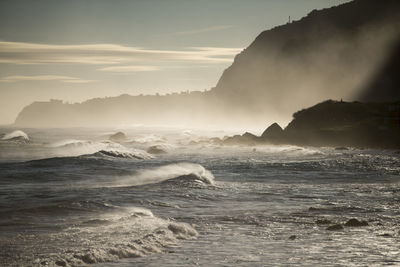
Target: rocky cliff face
330,54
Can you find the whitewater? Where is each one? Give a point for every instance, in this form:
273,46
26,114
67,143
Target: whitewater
74,197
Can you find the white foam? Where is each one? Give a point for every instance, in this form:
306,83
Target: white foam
288,149
131,154
16,134
167,172
72,147
149,139
132,233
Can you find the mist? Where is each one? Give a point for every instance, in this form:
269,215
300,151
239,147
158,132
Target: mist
286,69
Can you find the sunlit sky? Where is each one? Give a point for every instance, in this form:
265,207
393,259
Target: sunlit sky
79,49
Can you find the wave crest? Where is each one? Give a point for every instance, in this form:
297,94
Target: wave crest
136,154
136,233
72,147
172,173
17,136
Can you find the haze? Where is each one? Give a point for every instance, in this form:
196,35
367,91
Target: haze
77,50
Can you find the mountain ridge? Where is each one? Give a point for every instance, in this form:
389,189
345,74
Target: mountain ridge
331,53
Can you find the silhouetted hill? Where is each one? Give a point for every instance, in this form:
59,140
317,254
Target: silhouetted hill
336,123
350,51
173,109
332,53
356,124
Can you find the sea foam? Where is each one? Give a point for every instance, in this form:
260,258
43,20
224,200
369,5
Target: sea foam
180,171
136,232
17,135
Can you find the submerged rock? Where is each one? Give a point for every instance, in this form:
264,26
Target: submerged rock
292,237
335,227
118,137
355,223
386,235
323,221
156,150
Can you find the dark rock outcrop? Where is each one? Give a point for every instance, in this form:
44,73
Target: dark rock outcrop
345,124
156,150
245,139
273,132
337,124
323,221
335,227
118,137
355,223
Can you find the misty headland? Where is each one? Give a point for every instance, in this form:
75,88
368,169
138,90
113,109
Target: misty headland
346,52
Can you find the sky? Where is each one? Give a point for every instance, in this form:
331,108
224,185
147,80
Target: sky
80,49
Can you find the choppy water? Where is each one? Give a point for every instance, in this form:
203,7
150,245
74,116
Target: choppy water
72,197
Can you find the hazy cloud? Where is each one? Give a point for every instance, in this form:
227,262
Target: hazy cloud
130,68
202,30
67,79
31,53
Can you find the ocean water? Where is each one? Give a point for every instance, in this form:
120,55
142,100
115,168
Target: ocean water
72,197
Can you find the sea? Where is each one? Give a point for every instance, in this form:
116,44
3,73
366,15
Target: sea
75,197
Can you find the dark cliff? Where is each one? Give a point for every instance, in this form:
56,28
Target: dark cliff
334,53
337,124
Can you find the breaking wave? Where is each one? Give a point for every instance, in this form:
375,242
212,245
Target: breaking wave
175,173
100,149
137,154
149,139
16,136
135,232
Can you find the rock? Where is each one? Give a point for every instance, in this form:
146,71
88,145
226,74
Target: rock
249,135
292,237
215,141
341,148
245,139
156,150
386,235
118,137
335,227
355,223
323,221
61,263
273,132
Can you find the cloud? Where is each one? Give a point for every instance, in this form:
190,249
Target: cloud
108,54
130,68
66,79
202,30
